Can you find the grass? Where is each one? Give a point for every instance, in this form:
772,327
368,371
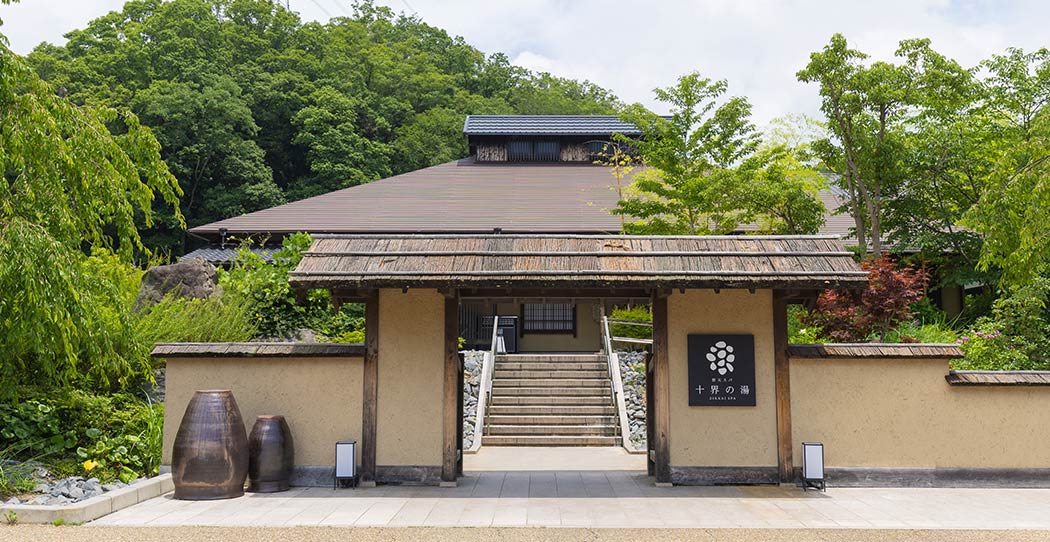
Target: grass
225,318
17,480
914,332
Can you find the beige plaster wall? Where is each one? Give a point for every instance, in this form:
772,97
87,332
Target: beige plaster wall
722,436
411,373
319,397
902,413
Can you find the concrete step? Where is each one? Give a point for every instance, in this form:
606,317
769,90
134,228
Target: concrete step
541,366
549,383
598,391
520,419
552,400
551,410
603,373
550,358
574,430
560,440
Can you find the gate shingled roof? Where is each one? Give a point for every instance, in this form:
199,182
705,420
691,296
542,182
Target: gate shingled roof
577,261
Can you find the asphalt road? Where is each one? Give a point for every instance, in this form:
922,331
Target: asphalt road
47,533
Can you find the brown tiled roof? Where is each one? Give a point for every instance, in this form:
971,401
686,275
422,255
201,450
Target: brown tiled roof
875,350
576,261
457,197
466,197
998,378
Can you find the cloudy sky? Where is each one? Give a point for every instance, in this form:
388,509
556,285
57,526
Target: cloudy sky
631,47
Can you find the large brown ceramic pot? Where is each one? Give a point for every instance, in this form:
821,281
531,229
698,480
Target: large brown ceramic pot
210,456
271,455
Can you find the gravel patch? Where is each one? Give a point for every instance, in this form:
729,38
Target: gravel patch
632,371
62,491
472,364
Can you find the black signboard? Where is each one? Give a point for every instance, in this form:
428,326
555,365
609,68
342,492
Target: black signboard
721,370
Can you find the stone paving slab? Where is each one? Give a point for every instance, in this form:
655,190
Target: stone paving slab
553,458
602,500
42,533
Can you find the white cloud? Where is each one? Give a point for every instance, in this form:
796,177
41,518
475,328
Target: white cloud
632,46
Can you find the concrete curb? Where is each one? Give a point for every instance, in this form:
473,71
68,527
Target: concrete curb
94,507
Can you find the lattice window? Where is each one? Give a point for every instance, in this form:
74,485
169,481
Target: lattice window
548,151
548,318
533,151
519,151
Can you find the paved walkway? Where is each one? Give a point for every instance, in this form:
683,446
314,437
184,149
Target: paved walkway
47,533
605,499
540,458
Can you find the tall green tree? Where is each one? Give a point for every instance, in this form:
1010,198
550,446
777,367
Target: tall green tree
1013,211
707,170
785,194
865,106
207,134
75,177
254,107
945,158
695,159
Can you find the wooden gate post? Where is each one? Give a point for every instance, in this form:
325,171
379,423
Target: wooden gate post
369,412
661,390
782,371
451,418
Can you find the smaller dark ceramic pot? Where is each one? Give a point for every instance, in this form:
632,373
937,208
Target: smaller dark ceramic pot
271,455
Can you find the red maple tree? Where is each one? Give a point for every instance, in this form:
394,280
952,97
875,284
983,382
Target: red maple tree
887,301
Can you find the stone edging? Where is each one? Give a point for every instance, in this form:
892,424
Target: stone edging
260,350
92,508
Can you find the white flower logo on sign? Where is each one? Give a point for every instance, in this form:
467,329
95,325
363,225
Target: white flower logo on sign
721,357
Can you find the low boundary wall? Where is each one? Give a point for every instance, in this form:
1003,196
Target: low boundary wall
894,415
316,387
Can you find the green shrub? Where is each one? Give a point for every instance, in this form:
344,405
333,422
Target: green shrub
638,313
345,326
119,433
32,428
272,304
356,336
1015,336
799,332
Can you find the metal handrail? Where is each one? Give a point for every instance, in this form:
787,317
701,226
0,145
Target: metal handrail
616,386
488,363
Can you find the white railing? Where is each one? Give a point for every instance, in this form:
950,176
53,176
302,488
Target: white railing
488,364
616,387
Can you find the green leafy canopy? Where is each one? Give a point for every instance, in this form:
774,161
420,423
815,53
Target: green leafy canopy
708,172
75,177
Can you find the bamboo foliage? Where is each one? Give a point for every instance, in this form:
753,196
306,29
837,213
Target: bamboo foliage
75,178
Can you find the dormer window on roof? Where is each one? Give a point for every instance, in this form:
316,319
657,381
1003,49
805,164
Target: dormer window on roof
543,138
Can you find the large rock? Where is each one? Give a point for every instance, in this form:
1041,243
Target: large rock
190,279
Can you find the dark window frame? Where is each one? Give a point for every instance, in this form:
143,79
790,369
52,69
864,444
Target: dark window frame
548,317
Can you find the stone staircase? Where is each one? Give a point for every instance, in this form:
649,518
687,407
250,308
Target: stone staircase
551,400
